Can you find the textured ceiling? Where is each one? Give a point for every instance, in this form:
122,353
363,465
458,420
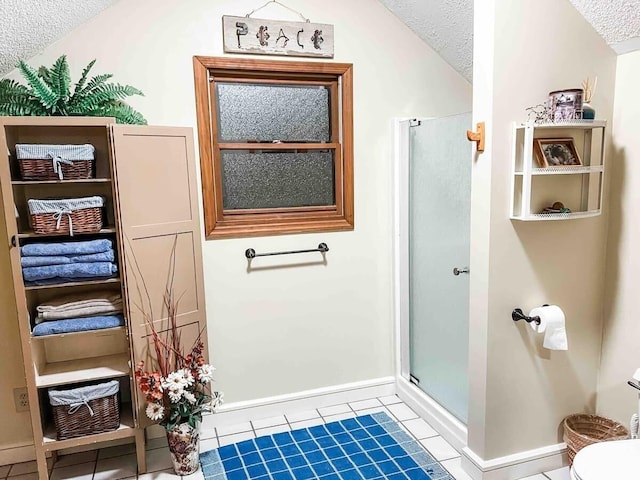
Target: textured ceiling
28,26
445,25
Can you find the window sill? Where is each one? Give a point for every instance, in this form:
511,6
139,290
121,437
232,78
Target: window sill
258,230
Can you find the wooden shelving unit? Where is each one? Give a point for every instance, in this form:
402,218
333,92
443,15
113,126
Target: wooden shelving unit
579,188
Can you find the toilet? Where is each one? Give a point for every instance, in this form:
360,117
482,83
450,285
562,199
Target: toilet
614,460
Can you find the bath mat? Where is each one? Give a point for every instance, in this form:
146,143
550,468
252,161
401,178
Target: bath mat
368,447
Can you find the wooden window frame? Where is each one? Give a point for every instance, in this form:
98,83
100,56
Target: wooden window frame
220,223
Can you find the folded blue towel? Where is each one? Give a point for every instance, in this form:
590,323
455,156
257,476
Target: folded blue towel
63,260
78,325
72,270
66,248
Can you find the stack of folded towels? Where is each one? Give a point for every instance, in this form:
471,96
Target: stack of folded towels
50,263
79,312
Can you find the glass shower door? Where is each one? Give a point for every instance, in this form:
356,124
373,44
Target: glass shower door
439,223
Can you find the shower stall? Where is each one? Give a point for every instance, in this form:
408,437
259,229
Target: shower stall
433,191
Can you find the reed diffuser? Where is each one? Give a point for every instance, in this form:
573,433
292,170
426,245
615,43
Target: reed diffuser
588,112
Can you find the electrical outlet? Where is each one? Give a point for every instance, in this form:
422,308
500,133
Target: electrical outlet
21,399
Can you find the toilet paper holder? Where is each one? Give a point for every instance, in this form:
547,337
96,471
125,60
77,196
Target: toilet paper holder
518,314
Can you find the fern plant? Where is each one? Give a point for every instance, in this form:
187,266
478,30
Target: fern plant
49,93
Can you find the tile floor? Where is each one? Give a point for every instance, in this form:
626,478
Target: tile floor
115,463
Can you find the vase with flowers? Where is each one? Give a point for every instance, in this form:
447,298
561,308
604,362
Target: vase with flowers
178,387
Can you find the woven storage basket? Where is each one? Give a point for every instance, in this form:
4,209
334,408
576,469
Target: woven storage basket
66,216
85,410
581,430
55,162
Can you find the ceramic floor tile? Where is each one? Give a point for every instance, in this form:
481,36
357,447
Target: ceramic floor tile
80,471
194,476
27,476
236,437
207,432
269,422
158,459
235,428
402,412
455,468
271,430
75,458
208,444
439,448
535,477
559,474
369,411
372,403
300,416
4,470
166,474
340,416
158,442
22,468
115,468
116,451
335,410
391,399
306,423
419,428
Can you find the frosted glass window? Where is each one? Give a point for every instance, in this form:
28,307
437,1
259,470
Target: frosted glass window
266,113
277,179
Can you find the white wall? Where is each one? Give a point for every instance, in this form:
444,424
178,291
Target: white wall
523,391
283,330
620,352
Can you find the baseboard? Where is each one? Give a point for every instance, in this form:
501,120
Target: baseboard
239,412
17,454
518,465
449,427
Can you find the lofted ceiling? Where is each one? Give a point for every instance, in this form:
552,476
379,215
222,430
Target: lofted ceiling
28,26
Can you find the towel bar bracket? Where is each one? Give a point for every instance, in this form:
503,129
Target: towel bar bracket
251,253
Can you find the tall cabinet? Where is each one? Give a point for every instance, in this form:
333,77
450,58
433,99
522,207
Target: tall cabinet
148,179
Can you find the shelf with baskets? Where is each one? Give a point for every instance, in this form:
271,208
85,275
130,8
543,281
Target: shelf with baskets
137,220
558,170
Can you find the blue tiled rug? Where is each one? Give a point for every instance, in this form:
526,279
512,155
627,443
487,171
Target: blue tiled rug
368,447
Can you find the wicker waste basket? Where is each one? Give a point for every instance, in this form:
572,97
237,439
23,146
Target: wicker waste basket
66,215
55,162
86,410
581,430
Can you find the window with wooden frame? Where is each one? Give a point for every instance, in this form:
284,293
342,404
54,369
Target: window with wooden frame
276,146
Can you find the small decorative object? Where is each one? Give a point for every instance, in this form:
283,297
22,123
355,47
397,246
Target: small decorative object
178,389
566,104
556,152
541,113
55,162
258,36
49,93
557,207
588,112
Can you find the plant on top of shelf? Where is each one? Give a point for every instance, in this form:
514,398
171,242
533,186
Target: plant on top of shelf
49,94
178,389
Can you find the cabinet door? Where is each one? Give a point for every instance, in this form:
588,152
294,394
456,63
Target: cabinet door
159,217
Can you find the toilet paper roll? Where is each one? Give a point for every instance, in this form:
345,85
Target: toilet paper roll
552,324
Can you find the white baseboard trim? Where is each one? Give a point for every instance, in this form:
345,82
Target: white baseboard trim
518,465
239,412
448,426
17,454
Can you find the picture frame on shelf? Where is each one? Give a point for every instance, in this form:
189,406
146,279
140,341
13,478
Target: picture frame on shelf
556,152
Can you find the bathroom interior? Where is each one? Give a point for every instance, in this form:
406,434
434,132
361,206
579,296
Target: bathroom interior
409,311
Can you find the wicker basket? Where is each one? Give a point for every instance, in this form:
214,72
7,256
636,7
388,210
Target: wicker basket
55,162
66,216
85,410
581,430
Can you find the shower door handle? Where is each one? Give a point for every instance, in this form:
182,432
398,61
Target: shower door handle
457,271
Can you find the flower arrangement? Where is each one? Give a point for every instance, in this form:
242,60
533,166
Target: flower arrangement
178,390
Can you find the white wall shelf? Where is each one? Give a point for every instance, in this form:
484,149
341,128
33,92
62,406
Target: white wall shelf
578,188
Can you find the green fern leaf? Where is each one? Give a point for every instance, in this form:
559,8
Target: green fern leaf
122,112
21,105
12,89
45,74
40,89
61,79
83,79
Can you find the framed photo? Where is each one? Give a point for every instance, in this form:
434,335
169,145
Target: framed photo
556,152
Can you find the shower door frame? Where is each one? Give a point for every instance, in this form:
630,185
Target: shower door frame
445,423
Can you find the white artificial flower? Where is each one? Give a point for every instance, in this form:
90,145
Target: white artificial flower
155,411
175,392
187,378
191,398
174,379
217,400
205,372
